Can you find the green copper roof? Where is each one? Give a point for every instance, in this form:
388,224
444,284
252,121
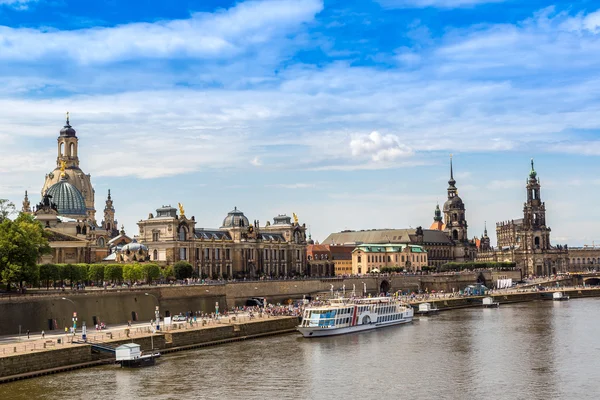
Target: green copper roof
388,248
532,174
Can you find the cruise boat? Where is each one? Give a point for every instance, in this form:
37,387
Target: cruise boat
353,315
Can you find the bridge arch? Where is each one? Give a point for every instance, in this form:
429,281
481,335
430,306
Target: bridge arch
592,281
384,286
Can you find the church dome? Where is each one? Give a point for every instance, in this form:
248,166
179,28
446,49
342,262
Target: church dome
67,198
68,130
453,203
235,218
134,246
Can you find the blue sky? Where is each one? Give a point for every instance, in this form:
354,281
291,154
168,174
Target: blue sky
344,112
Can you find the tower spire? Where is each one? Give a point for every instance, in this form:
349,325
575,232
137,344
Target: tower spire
68,119
26,204
485,228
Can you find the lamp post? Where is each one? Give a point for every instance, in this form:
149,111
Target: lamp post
156,311
74,314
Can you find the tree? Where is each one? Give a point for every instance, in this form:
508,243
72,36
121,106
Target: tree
113,272
132,273
22,242
49,272
167,273
183,270
6,209
96,273
150,272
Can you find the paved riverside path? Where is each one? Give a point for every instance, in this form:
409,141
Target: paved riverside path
15,344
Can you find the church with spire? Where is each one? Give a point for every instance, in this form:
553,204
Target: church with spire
526,240
67,208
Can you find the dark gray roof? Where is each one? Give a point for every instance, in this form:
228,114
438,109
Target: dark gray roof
387,236
208,234
235,218
272,236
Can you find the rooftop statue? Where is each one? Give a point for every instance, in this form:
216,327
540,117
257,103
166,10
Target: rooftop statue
181,209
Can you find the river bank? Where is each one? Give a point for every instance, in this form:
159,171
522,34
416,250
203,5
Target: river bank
52,357
49,356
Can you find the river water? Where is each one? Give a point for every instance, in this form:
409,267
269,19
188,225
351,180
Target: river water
539,350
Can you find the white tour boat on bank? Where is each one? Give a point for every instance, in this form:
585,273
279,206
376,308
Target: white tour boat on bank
353,315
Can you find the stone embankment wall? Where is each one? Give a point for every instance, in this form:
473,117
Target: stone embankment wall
24,363
30,362
39,312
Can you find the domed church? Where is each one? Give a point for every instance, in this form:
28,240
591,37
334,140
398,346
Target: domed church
67,208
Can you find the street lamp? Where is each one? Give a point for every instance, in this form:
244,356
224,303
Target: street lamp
74,314
156,311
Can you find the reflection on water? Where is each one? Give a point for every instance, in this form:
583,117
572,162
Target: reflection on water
544,350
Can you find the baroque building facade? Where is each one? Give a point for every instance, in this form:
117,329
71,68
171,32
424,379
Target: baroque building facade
67,209
445,241
526,241
238,249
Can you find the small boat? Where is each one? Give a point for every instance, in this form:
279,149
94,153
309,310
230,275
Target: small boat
427,309
488,302
559,296
130,355
342,316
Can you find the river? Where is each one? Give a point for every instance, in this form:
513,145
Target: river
538,350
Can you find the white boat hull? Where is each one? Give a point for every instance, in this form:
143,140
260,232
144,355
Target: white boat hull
323,331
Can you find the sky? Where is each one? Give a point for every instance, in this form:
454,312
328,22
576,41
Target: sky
344,112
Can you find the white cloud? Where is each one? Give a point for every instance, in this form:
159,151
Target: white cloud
241,29
17,4
256,161
434,3
379,148
295,185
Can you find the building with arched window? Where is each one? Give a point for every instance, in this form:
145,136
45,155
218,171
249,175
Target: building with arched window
67,208
526,241
237,249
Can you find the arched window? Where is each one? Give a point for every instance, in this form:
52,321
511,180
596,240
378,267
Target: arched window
155,255
61,149
537,241
72,150
455,234
101,242
182,233
359,259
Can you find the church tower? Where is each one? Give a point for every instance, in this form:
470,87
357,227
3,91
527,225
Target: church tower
485,244
67,167
26,205
67,146
534,215
454,212
109,223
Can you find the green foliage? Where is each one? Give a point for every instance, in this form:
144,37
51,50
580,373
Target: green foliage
167,272
132,272
22,242
387,270
49,273
6,209
150,272
113,272
96,273
183,270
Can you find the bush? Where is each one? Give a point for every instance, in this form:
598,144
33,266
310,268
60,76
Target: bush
183,270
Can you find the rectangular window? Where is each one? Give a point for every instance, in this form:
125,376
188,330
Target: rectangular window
183,253
227,254
359,258
218,253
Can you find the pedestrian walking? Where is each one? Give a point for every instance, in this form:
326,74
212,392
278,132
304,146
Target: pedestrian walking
27,333
43,334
